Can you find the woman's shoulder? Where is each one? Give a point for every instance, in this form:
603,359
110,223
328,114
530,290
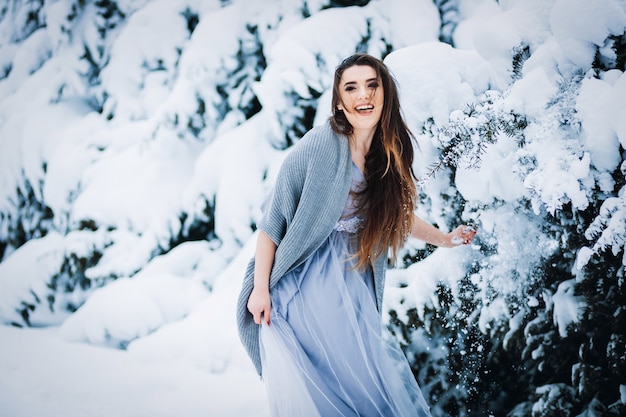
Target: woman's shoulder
320,140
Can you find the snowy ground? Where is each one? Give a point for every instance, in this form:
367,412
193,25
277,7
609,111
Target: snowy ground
44,375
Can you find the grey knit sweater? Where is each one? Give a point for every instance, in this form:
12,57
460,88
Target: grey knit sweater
307,201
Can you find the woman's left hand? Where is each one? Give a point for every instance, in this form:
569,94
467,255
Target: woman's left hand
462,235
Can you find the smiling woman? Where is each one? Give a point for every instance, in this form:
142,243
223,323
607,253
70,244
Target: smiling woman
344,197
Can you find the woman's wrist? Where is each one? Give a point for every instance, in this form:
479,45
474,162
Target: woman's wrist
448,240
258,287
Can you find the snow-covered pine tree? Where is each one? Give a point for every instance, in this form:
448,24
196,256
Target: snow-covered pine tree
81,33
115,83
553,336
581,370
448,12
598,374
551,342
465,370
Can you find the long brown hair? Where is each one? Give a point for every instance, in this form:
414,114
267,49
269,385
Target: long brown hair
389,199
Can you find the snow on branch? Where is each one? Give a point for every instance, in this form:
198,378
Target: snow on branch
465,139
609,228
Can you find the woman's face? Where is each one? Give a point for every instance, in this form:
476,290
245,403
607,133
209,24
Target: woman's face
361,97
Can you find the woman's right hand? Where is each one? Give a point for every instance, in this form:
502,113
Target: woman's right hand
259,305
259,302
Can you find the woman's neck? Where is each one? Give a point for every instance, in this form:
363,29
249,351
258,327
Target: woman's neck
360,143
361,140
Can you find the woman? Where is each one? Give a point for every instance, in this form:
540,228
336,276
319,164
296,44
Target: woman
309,310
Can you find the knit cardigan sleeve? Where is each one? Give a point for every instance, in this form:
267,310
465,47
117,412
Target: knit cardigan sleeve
283,200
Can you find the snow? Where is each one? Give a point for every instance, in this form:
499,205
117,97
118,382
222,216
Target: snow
149,329
22,277
567,306
600,110
495,34
43,374
551,184
437,79
151,40
203,64
207,336
121,186
609,230
579,26
414,287
412,21
494,178
238,197
141,306
195,365
35,51
531,93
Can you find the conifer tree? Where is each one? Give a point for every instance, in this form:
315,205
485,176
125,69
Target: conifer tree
529,363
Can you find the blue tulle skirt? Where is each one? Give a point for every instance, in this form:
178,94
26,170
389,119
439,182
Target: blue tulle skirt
325,352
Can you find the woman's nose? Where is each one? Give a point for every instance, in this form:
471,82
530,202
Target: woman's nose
363,92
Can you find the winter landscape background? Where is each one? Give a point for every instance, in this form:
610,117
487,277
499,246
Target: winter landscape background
138,139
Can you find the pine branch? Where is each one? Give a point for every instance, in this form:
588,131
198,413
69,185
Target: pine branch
470,133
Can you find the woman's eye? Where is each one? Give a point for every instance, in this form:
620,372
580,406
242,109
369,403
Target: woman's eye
373,85
350,88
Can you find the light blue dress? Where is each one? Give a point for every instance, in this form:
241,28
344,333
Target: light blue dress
326,352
